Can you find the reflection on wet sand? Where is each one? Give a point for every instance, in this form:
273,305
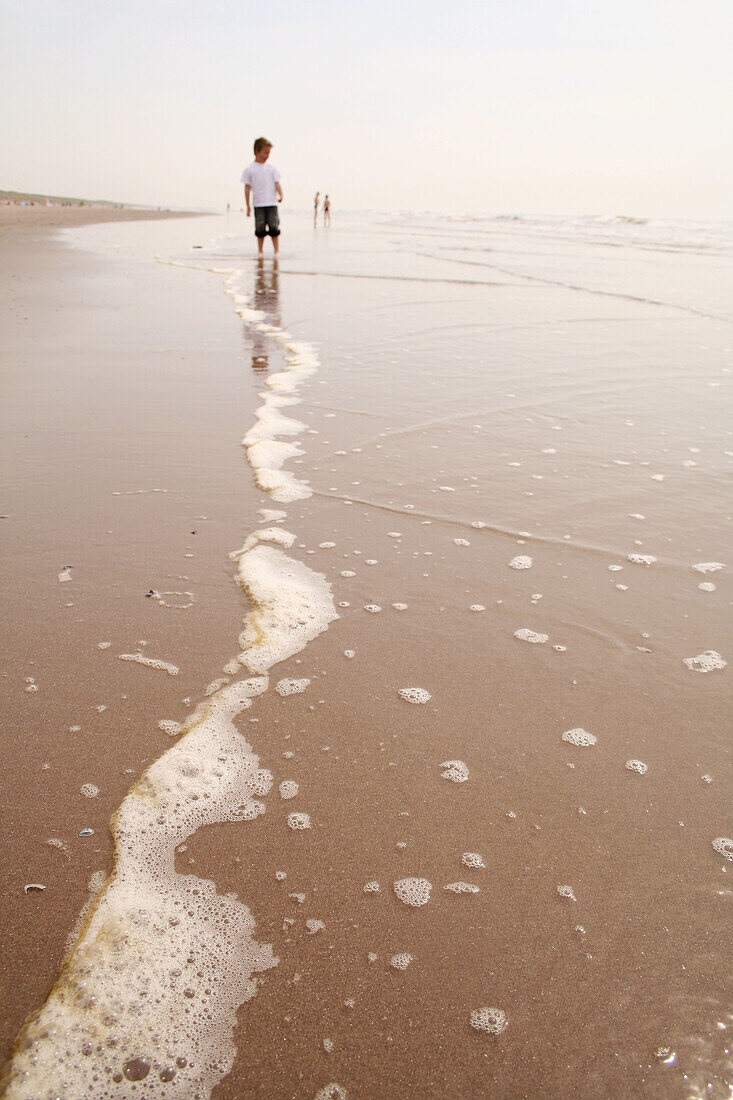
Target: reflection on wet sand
266,299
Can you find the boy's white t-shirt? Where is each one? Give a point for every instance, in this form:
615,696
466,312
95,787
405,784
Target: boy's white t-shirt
262,179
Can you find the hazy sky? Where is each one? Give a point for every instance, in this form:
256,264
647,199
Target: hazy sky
546,106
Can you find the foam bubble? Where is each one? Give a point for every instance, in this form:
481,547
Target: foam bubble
299,821
636,766
176,600
455,770
724,846
708,566
522,561
371,887
414,695
705,662
103,645
399,606
314,926
580,737
641,559
372,608
413,891
65,575
331,1092
461,542
472,859
400,962
291,687
463,888
491,1020
150,662
349,653
567,892
706,586
288,789
532,636
477,607
90,790
170,727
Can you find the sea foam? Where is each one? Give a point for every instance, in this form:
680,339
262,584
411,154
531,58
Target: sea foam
163,961
291,605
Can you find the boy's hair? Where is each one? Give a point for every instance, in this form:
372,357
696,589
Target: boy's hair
262,143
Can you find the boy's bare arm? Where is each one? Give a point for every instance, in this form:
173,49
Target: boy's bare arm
247,193
279,190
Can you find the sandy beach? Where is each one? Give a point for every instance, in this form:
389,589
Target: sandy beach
440,803
16,217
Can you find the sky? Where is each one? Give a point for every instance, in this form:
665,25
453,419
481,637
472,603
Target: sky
498,106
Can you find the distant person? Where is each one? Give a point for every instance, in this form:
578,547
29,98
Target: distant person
326,211
316,200
262,184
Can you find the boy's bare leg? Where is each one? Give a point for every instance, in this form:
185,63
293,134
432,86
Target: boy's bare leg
276,244
260,245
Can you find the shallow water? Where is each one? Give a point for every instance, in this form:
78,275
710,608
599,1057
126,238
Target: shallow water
477,394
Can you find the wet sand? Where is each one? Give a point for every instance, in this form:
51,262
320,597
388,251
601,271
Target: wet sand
456,422
111,376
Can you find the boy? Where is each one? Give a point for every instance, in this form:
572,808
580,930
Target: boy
262,183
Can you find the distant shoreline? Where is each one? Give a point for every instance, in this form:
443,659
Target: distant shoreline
20,211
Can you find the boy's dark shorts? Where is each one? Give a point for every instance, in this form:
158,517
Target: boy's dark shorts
267,221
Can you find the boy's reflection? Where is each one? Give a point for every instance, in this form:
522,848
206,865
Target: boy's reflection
266,298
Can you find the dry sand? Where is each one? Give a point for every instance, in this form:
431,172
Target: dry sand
447,403
15,217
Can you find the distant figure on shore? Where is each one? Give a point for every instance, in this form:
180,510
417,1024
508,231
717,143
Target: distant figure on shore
326,211
316,200
262,184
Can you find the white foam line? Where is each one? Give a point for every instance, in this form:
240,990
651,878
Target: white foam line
266,453
150,662
291,605
161,962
